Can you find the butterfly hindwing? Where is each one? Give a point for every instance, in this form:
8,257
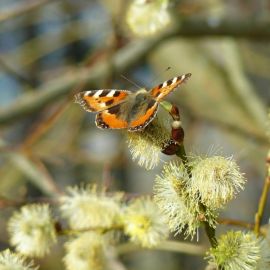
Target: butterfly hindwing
99,100
115,119
162,90
140,122
110,118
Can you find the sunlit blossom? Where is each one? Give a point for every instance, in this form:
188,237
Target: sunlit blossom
86,207
182,212
144,224
215,180
85,252
32,230
236,251
146,146
14,261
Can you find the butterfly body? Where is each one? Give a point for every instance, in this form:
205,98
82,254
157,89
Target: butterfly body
118,109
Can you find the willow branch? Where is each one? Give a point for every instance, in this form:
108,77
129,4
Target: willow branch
238,223
263,199
124,58
54,90
172,246
259,138
21,9
181,153
32,169
79,30
13,72
249,28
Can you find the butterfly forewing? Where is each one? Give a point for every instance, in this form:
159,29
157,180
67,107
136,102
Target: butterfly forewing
100,100
162,90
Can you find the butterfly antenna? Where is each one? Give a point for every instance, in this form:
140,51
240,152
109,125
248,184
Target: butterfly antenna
159,75
135,84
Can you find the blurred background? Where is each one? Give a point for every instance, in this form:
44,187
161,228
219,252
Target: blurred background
50,50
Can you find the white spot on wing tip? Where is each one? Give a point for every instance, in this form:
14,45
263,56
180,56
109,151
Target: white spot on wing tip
174,80
111,93
98,93
164,84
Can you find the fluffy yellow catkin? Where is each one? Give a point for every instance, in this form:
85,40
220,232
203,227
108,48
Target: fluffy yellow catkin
215,180
237,250
86,207
143,222
85,252
13,261
146,146
32,230
172,198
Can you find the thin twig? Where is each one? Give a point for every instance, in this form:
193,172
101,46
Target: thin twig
22,9
124,58
263,199
248,28
181,153
239,223
172,246
43,127
79,30
47,176
36,175
247,134
56,89
6,202
13,72
100,229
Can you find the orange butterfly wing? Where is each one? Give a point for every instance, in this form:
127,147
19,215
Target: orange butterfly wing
162,90
100,100
143,120
110,118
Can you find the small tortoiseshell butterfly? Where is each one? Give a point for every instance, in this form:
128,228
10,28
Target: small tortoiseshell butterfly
124,109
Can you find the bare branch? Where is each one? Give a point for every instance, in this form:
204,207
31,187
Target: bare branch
54,90
249,28
22,9
180,247
123,59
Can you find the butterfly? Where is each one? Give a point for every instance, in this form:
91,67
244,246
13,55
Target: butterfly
117,109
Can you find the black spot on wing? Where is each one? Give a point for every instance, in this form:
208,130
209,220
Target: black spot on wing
104,93
116,94
160,86
151,103
109,102
169,82
100,123
114,110
90,94
79,98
